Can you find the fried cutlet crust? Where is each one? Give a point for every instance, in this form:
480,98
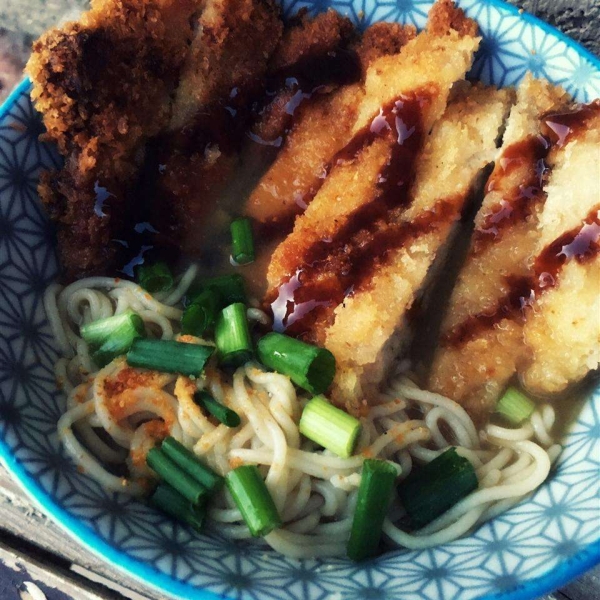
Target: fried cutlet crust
562,333
305,43
474,371
373,326
421,75
232,50
422,62
103,86
222,77
322,128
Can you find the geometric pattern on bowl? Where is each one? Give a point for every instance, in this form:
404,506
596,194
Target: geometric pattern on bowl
538,545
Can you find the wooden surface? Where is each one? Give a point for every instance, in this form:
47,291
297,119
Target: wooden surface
38,561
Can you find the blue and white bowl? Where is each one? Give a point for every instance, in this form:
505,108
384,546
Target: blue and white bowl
535,547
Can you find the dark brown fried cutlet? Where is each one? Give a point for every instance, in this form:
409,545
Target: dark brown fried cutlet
103,85
312,56
197,158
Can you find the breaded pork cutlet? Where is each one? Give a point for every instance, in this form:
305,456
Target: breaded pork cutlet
312,58
562,335
322,128
227,60
359,254
199,155
479,349
103,85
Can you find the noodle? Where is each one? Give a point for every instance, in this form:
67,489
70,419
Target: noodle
314,490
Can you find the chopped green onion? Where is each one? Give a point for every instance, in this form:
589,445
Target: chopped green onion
232,335
515,406
374,496
156,277
183,482
230,289
169,356
187,460
201,313
170,501
329,426
430,491
116,345
253,499
219,411
97,332
242,242
309,367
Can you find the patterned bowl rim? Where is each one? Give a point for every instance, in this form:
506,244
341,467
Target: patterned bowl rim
569,569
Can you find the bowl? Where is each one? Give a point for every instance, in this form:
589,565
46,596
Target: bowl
537,546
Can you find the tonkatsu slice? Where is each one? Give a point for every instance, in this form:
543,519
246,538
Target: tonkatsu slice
321,127
104,85
479,345
355,220
562,333
372,326
220,80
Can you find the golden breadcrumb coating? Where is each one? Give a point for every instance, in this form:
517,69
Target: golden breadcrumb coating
426,67
220,80
474,371
372,327
563,332
322,127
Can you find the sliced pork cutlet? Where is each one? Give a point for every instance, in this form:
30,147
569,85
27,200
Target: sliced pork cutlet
481,340
322,128
397,262
327,261
313,57
562,334
197,159
103,86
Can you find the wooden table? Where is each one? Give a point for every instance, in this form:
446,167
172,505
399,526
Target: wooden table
37,560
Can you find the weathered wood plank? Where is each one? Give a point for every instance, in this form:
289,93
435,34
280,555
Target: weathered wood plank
19,518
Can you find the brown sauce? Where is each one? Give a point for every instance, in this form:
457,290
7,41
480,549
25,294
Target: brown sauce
334,268
561,127
298,83
581,244
517,203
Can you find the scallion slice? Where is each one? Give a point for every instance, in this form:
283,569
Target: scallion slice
118,344
201,313
431,490
189,462
374,496
169,356
97,332
219,411
167,470
242,242
170,501
515,406
309,367
155,277
232,335
253,499
230,289
329,426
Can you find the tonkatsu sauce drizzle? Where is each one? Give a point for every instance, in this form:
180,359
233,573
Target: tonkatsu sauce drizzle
528,157
561,127
334,268
581,244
